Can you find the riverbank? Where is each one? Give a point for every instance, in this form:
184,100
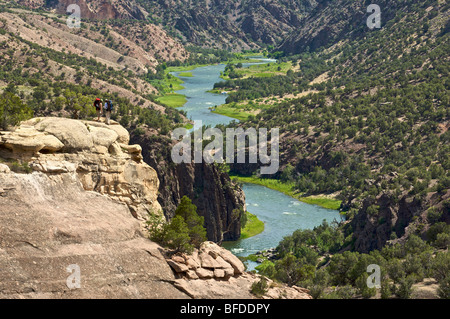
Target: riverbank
288,189
232,112
170,83
263,70
253,226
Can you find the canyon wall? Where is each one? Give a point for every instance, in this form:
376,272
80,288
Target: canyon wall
217,198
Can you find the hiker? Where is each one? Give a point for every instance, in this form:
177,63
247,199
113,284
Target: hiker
108,110
98,106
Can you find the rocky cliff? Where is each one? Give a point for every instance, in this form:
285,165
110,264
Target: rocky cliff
210,189
395,219
72,198
94,154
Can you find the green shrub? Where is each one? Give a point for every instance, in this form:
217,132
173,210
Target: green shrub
183,233
444,288
20,168
12,110
344,292
363,289
404,289
194,222
259,288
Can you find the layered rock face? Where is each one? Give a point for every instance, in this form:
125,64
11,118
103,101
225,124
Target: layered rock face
401,217
96,155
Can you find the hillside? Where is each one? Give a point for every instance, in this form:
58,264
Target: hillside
365,119
38,47
233,25
378,122
345,20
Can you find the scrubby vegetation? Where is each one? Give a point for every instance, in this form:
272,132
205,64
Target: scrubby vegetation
312,259
12,110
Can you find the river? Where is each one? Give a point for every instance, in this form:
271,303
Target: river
199,100
281,214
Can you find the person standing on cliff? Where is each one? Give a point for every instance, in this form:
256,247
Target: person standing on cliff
108,110
98,107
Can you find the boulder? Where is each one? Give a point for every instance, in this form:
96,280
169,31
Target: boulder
208,261
179,259
222,263
191,274
72,133
192,261
102,137
4,168
203,273
226,255
122,133
178,267
219,273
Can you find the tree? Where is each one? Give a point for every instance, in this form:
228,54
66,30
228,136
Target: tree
12,110
174,235
79,105
259,288
188,212
177,235
405,289
156,228
444,288
183,233
288,174
11,88
363,289
290,270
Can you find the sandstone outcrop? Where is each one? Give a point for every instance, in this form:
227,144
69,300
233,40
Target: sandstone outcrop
97,155
210,261
73,208
77,210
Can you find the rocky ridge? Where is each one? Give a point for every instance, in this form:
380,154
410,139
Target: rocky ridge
210,23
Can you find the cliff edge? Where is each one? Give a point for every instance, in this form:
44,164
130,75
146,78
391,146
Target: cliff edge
73,198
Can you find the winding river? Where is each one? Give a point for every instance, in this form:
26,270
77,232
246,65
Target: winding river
281,214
